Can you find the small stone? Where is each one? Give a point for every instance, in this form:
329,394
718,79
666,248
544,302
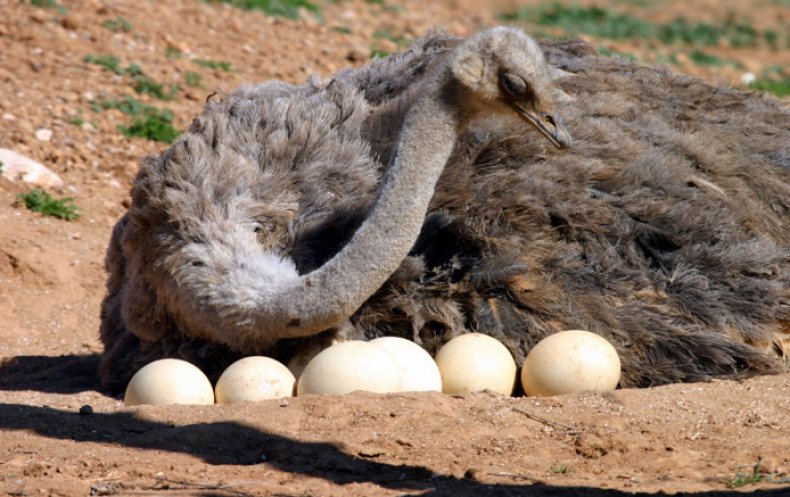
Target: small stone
39,16
19,167
69,22
358,53
86,410
748,78
7,116
43,134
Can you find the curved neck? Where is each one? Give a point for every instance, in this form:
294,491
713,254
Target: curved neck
332,293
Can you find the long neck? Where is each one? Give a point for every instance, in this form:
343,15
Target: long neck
333,292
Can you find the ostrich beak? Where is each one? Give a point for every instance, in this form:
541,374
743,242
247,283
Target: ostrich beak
549,124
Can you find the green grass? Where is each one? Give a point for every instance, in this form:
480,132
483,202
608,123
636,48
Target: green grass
141,82
575,20
172,53
155,126
144,84
148,121
214,64
48,4
561,469
119,24
385,34
193,79
378,53
701,58
109,62
38,200
282,8
127,105
743,479
779,87
75,120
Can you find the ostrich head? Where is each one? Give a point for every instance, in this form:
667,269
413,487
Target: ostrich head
505,71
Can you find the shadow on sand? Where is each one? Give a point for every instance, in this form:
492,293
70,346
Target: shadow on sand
221,443
50,374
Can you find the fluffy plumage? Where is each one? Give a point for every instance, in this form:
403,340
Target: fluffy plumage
665,227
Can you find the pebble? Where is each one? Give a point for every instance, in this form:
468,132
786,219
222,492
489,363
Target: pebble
69,22
358,53
19,167
43,134
748,78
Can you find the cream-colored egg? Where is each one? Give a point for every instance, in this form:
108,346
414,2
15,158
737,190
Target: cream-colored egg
474,362
253,379
169,381
304,355
349,366
420,372
570,361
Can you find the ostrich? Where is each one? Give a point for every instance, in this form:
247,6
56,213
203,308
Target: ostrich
199,260
663,228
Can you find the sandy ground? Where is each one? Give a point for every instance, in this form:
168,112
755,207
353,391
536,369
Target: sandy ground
60,436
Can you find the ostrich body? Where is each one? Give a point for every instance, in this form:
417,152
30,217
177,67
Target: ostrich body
663,228
190,244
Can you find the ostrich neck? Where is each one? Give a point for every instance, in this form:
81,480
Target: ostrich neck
332,293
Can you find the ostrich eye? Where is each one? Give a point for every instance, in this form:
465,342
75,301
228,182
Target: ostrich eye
515,85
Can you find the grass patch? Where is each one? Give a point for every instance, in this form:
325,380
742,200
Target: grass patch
75,120
172,53
48,4
155,126
561,469
701,58
385,34
193,79
779,87
38,200
378,53
281,8
148,121
117,25
141,82
575,20
743,479
127,105
109,62
214,64
144,84
342,29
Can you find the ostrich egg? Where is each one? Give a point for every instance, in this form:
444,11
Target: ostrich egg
304,355
349,366
474,362
570,361
252,379
169,381
420,372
